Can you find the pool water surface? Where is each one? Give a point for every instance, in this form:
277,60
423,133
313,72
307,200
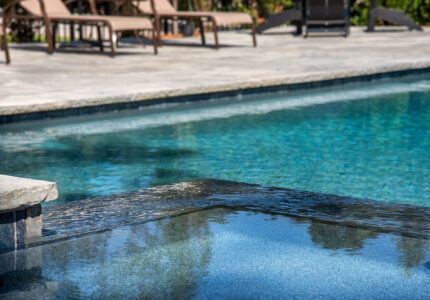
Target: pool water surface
368,141
226,253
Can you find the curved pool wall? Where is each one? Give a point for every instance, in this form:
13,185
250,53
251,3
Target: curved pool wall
208,238
367,140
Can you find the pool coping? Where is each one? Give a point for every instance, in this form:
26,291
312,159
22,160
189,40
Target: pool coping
12,114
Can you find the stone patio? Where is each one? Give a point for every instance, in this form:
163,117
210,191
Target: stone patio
70,78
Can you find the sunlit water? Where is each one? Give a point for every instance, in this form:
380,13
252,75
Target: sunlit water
371,142
225,254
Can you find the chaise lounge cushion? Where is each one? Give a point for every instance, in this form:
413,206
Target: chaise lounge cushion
57,11
117,23
164,8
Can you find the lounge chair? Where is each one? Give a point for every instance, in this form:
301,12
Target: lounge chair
4,46
163,9
326,14
53,12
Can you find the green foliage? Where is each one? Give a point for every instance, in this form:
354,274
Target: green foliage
266,7
358,14
419,12
22,31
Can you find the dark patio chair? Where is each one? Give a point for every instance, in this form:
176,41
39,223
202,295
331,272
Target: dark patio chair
322,15
3,45
53,12
395,16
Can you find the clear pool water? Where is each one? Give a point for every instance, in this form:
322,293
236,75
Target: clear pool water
371,141
225,254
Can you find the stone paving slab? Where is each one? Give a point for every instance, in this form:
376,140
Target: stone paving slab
37,82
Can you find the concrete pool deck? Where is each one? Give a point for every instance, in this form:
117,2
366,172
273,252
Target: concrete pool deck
37,82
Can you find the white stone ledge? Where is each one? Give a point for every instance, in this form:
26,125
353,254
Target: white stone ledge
19,193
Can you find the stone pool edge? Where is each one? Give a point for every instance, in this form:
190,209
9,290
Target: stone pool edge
11,114
89,216
21,211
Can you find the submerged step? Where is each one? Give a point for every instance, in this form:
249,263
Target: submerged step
101,213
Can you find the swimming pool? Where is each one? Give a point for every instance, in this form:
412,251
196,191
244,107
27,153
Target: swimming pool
226,253
367,141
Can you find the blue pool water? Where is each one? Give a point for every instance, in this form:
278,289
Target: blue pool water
367,141
224,254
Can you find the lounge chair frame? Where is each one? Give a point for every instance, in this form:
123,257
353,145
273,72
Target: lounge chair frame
51,22
197,15
4,46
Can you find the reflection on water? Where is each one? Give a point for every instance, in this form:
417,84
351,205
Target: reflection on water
336,237
411,251
226,253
